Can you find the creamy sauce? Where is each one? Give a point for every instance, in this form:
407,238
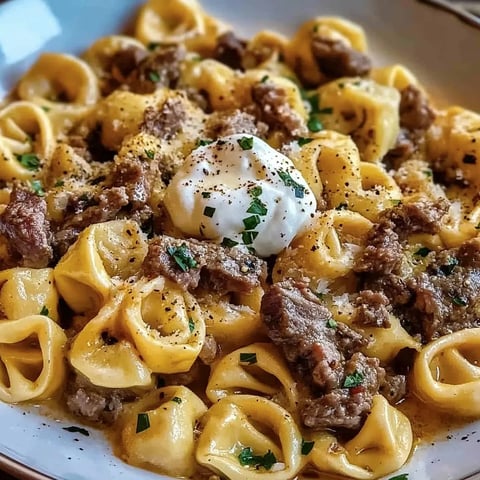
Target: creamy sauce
239,190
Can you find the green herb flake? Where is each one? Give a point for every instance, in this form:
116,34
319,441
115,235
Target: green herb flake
29,160
37,188
249,358
477,227
183,257
153,76
249,237
251,222
150,154
353,380
177,400
326,111
314,124
304,141
44,311
228,242
307,446
264,79
459,301
247,458
246,143
331,323
143,422
314,101
422,252
209,211
341,85
255,191
342,206
202,142
402,476
257,207
45,108
153,45
447,269
59,183
428,173
75,429
191,325
206,194
290,182
396,203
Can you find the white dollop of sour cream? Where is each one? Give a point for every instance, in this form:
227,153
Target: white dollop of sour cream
239,190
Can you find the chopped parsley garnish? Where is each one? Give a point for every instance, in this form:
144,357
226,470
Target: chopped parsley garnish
206,194
228,242
477,227
183,257
396,203
249,358
331,323
249,237
290,182
59,183
29,160
469,159
203,142
209,211
143,422
447,269
37,188
303,141
353,380
153,76
326,111
257,207
422,252
153,45
44,311
45,108
177,400
150,154
314,124
251,222
428,172
341,206
402,476
246,143
247,458
459,301
191,325
255,191
264,79
307,447
80,430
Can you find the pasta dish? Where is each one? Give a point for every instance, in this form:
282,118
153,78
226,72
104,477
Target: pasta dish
242,258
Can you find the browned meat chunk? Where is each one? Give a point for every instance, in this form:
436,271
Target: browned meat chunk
192,263
230,50
415,111
336,59
95,404
273,108
394,388
324,355
25,225
371,310
222,124
165,122
132,176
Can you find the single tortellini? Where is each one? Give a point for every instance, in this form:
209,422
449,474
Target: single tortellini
158,431
235,429
32,358
327,250
232,325
446,373
255,368
64,85
299,53
102,352
165,324
26,141
103,254
396,76
28,291
349,183
365,110
382,445
454,139
169,21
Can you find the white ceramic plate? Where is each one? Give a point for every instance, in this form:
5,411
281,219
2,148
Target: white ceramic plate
442,50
